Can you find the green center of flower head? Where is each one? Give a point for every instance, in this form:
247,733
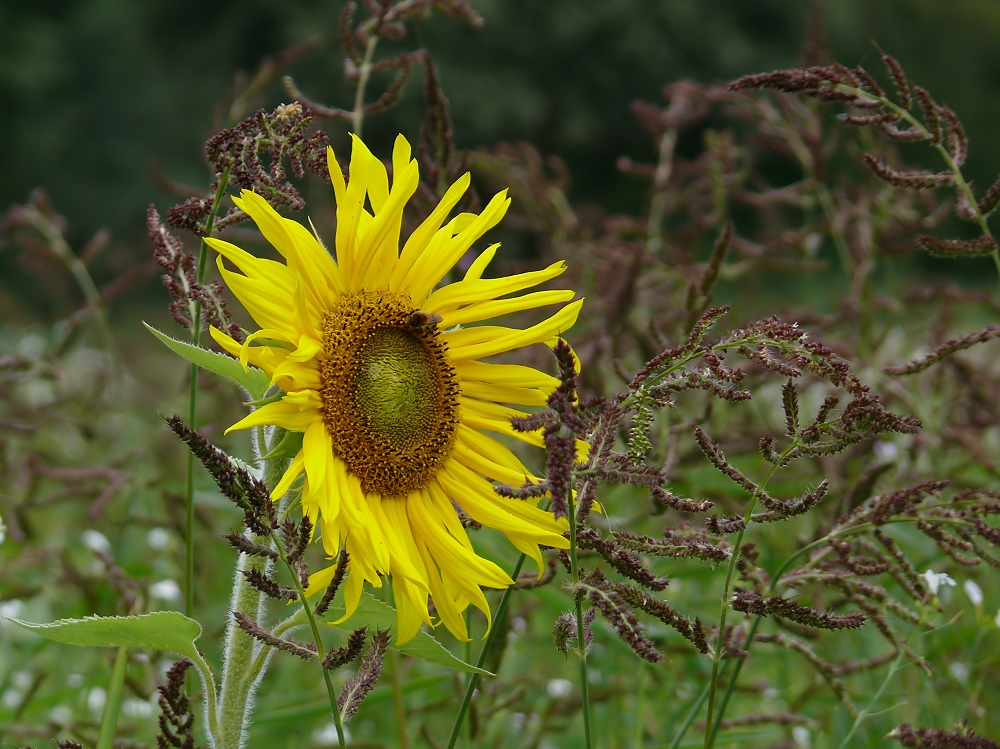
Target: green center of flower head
389,391
396,387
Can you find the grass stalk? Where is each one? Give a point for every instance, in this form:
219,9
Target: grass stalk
399,708
109,719
364,71
473,682
318,639
717,652
581,634
954,168
220,191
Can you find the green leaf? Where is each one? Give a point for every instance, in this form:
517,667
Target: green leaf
160,630
288,447
253,380
375,614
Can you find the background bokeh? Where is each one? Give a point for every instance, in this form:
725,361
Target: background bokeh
97,93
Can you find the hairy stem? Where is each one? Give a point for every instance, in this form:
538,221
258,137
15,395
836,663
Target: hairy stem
239,678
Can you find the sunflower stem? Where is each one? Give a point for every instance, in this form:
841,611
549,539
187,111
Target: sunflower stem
220,191
473,682
240,675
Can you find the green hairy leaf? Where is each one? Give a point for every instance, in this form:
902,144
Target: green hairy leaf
160,630
253,380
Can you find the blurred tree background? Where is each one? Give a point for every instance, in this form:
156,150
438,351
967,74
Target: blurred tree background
99,95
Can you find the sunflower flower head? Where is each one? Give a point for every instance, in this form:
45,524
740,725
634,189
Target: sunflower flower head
382,372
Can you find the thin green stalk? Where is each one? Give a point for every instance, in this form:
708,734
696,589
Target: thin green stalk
56,242
691,715
865,712
193,401
776,578
318,638
397,699
358,116
717,654
581,634
960,181
490,637
640,699
468,658
109,720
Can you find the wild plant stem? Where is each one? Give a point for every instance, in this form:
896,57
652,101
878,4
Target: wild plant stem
109,720
220,191
470,688
776,578
691,715
717,654
865,712
397,699
358,115
318,639
640,698
581,634
960,181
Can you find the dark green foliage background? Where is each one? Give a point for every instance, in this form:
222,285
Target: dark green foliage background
94,91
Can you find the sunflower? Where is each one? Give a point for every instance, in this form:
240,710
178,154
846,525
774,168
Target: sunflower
388,387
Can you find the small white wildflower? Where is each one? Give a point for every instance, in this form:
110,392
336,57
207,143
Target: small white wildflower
771,694
802,738
886,451
519,625
327,735
3,531
158,538
997,619
61,715
11,698
136,708
10,610
959,671
974,592
96,541
96,699
21,680
74,680
559,688
165,590
936,579
517,721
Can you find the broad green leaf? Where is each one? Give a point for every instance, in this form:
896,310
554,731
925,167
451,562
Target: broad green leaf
375,614
253,380
160,630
